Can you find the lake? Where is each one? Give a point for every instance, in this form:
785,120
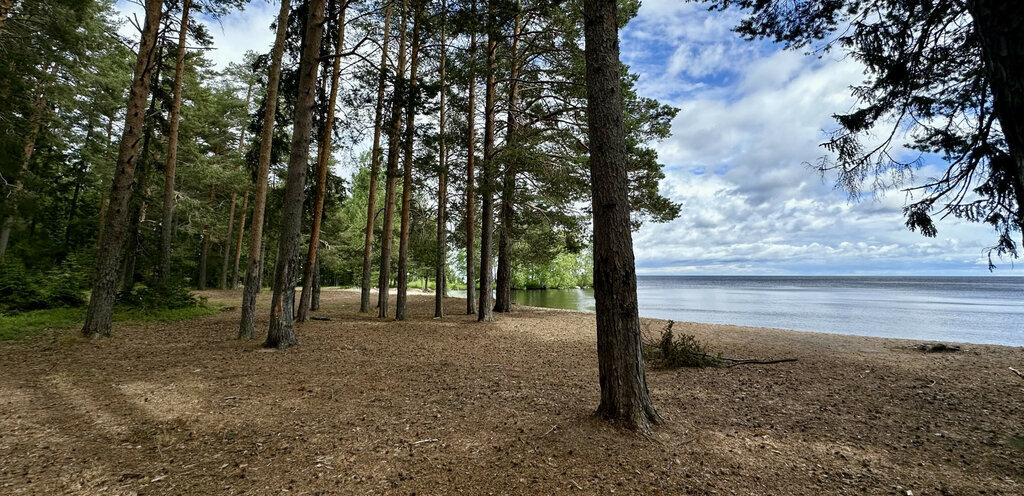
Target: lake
987,310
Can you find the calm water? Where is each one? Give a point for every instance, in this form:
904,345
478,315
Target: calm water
964,309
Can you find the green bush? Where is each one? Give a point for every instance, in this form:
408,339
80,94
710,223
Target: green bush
62,286
160,296
683,351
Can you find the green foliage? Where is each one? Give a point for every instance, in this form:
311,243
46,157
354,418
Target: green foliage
174,295
565,270
673,352
27,324
22,289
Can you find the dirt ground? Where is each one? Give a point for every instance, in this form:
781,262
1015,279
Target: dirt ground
365,406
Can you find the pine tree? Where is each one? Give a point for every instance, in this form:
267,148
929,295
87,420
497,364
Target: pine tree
101,302
254,271
624,394
282,329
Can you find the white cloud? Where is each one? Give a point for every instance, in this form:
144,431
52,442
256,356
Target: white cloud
752,117
235,33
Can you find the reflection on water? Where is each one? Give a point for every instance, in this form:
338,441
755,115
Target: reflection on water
569,299
968,309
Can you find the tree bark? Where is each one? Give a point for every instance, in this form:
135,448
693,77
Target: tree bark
204,250
442,178
138,203
503,293
173,121
227,243
486,307
471,180
392,171
35,120
282,329
101,302
323,156
371,204
241,224
254,264
315,304
401,302
238,241
624,394
1000,28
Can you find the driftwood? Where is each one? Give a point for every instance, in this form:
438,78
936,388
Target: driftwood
748,361
1019,373
938,348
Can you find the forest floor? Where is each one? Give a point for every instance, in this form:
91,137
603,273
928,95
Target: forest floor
452,406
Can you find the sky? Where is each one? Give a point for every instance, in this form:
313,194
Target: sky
752,116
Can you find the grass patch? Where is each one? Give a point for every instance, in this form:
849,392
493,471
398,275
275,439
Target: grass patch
27,324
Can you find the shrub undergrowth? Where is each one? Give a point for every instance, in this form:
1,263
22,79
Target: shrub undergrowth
671,351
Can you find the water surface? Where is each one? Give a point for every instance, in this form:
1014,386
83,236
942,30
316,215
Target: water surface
964,309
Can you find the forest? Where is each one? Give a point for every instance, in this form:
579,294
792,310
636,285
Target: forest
395,100
375,185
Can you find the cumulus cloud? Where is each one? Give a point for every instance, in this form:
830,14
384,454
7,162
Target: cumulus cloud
752,119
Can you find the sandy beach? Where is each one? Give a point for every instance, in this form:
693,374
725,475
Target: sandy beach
452,406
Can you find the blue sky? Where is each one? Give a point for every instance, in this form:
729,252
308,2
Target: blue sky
752,116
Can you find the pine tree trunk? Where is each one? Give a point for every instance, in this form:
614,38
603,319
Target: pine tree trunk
371,204
1000,29
101,302
101,222
204,250
254,264
392,171
262,272
35,120
282,329
173,121
402,302
323,155
227,243
486,307
442,179
503,292
471,180
138,203
315,304
201,278
624,394
238,241
245,203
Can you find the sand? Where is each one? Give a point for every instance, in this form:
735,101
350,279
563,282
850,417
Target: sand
452,406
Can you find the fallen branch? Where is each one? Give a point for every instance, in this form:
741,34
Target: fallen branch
686,351
425,441
320,318
1019,374
749,361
